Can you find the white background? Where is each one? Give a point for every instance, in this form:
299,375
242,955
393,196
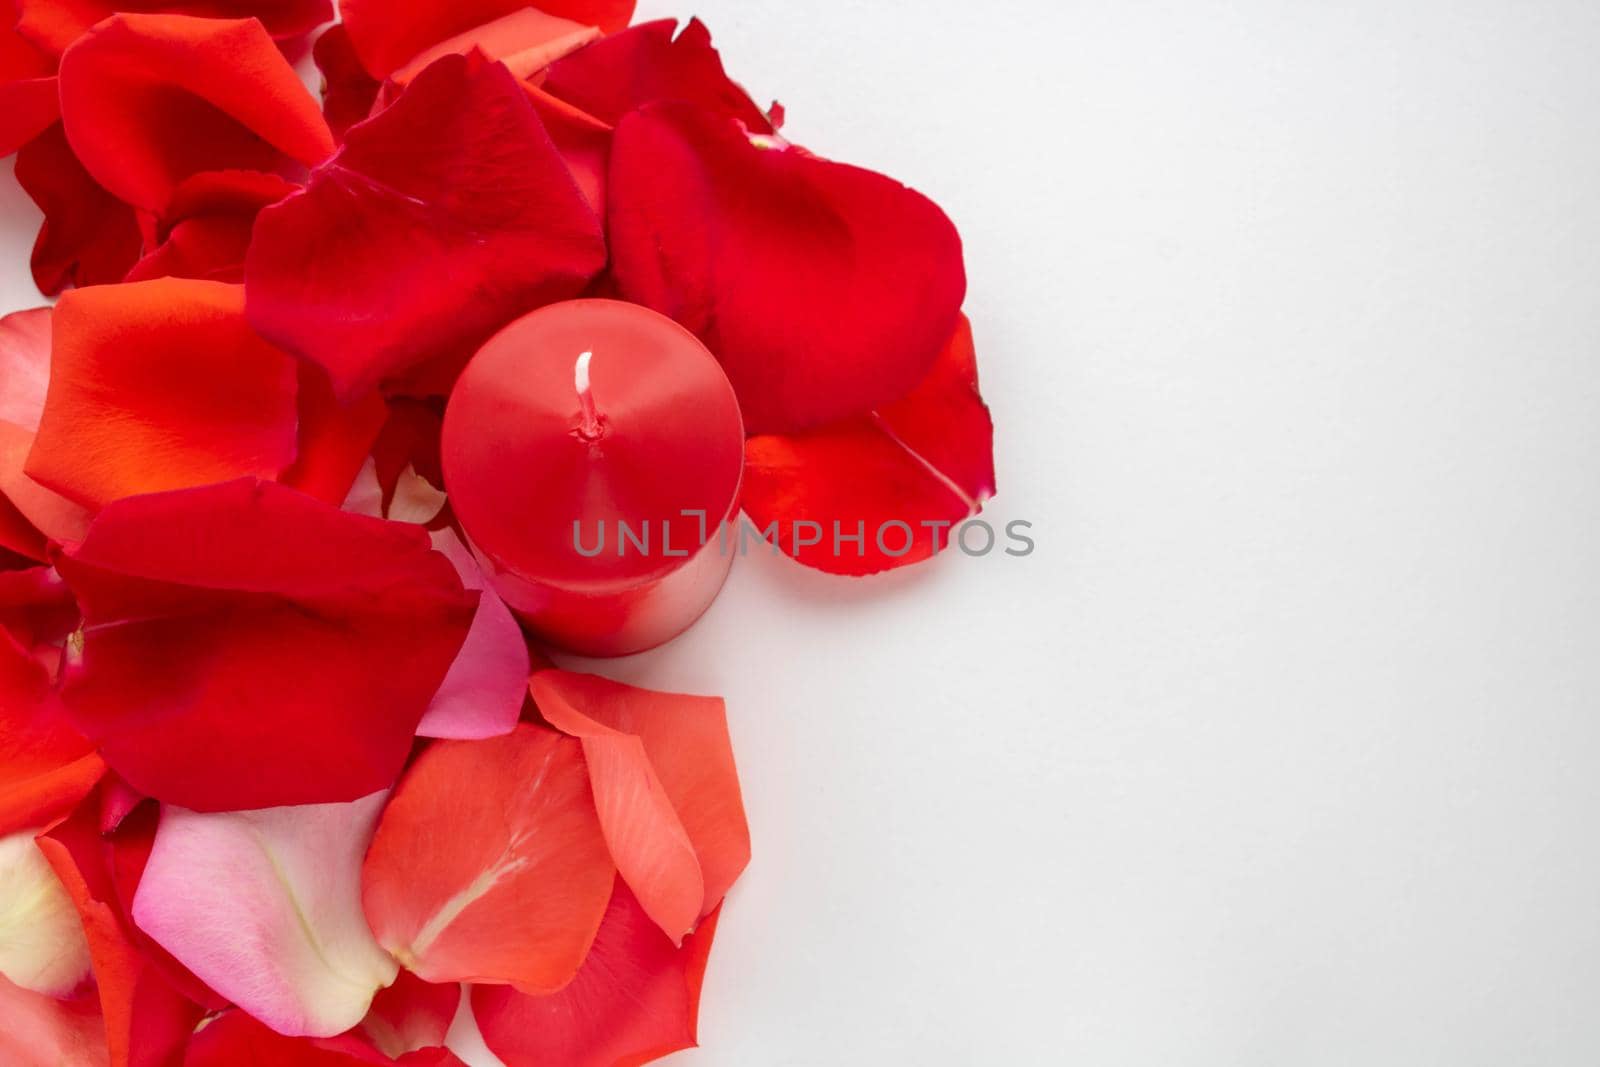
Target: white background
1283,747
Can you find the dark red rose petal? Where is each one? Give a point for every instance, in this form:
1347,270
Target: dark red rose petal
928,458
206,229
388,34
150,100
442,218
645,64
37,607
825,290
55,24
247,646
46,766
636,999
89,237
335,438
348,91
29,103
160,385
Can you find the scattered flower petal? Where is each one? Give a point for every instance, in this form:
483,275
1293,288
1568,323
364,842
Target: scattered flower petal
389,34
636,999
265,907
482,696
247,646
42,947
442,218
489,864
902,478
88,237
150,100
160,385
743,242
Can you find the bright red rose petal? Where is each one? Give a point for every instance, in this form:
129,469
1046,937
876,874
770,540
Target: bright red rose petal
441,219
160,385
89,237
234,1039
335,438
348,91
46,766
489,864
663,771
388,34
636,999
206,228
28,98
411,1014
526,41
149,100
147,1022
55,24
248,646
825,290
645,64
926,459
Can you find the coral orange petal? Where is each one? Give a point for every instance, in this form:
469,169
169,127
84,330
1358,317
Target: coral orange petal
489,864
150,100
41,1031
160,385
635,1000
686,741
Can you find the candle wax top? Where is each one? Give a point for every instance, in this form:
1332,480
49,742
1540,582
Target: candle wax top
524,460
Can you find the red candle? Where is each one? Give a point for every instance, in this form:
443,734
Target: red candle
592,452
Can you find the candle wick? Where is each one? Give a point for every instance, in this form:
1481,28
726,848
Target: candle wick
589,429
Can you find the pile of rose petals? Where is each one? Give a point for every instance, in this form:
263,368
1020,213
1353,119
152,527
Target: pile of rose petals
281,781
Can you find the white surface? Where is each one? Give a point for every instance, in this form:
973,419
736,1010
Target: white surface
1282,749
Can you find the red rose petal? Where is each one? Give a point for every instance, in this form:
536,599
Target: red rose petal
207,227
55,24
388,34
335,438
234,1039
247,646
89,237
411,1014
37,607
348,91
583,141
147,1022
489,864
149,100
442,218
160,385
645,65
825,290
46,766
928,458
28,101
684,740
636,999
526,41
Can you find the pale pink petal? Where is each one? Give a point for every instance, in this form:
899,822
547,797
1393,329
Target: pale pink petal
482,695
24,366
42,945
41,1031
265,908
